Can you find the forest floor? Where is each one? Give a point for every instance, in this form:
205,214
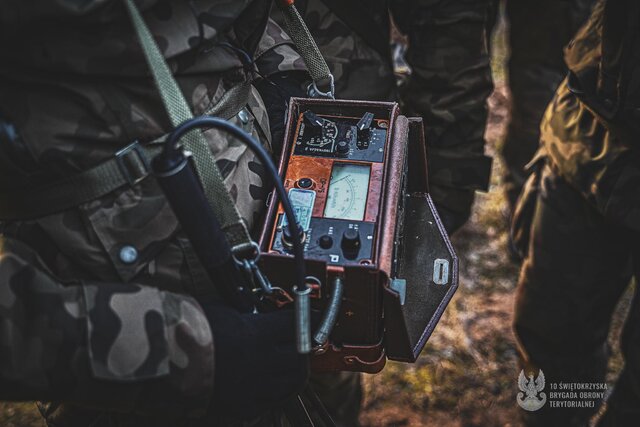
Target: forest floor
467,374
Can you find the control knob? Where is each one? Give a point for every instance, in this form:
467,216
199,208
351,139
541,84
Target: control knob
351,243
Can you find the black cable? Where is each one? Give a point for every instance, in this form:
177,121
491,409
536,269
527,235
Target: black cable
265,158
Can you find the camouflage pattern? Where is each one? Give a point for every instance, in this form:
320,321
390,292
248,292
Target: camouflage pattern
360,72
593,156
582,249
85,343
538,32
449,85
578,266
76,86
276,52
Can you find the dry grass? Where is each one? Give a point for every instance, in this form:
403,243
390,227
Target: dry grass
19,415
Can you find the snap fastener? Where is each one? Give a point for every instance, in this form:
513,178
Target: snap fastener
243,115
128,254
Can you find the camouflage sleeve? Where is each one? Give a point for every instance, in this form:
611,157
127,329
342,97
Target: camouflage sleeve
449,87
111,346
276,52
12,12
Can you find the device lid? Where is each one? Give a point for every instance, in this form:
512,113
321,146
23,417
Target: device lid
425,272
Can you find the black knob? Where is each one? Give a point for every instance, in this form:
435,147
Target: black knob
350,243
364,135
342,148
325,242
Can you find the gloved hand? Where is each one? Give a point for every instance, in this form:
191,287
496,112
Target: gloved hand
256,362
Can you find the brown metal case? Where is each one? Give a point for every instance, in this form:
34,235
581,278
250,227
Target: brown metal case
392,304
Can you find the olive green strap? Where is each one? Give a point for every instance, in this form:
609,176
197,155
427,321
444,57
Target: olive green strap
307,48
178,110
128,166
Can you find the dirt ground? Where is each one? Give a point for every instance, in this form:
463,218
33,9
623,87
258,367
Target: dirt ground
467,374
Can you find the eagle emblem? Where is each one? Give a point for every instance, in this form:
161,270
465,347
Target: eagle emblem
531,396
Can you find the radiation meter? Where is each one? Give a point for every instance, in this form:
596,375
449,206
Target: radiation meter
378,260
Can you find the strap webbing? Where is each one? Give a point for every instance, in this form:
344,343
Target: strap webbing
128,166
306,45
178,110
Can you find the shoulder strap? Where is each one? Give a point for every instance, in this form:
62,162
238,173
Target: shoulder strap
176,106
307,48
128,166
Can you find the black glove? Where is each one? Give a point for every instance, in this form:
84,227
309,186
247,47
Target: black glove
257,365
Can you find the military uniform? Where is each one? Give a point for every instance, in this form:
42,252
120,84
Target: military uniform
95,309
538,32
449,86
577,221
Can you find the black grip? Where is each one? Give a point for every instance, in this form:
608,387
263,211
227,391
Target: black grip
182,189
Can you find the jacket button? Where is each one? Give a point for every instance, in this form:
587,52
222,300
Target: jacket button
128,254
243,115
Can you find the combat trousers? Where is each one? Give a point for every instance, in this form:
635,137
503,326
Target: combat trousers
576,268
538,32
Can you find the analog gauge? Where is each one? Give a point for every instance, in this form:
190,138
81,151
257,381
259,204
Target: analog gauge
348,190
328,136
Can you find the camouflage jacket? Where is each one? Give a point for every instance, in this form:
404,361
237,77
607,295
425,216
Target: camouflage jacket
596,154
101,316
449,86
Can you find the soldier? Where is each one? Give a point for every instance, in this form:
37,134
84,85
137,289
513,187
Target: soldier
577,221
538,32
105,310
449,86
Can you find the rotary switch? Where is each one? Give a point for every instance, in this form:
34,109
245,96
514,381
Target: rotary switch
364,130
351,243
342,148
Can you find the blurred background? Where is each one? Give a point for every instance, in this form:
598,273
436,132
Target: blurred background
467,374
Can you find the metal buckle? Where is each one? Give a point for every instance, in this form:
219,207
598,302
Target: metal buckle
252,250
314,92
131,174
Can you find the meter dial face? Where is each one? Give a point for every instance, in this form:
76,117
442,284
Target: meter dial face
348,190
328,136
